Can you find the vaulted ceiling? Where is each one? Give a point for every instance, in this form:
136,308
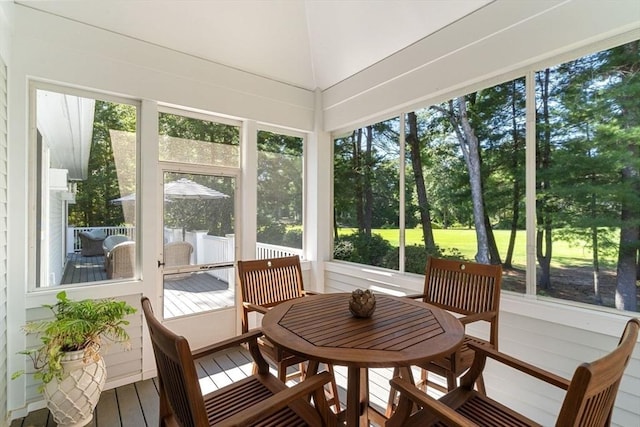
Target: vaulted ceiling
306,43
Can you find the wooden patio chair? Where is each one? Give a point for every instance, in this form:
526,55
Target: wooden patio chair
588,401
472,292
265,283
259,399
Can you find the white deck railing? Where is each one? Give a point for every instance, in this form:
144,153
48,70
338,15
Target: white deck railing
73,239
206,248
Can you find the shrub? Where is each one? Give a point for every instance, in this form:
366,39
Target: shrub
362,249
272,233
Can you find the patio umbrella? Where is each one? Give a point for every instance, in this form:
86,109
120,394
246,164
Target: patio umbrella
182,188
186,189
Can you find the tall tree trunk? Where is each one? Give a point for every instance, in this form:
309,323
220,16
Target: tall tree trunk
515,189
626,289
471,151
416,163
543,160
356,157
368,192
597,297
494,253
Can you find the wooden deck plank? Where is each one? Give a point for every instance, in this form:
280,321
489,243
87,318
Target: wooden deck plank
37,418
129,406
107,412
148,397
137,404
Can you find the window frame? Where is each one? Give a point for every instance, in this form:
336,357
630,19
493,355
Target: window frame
526,72
35,272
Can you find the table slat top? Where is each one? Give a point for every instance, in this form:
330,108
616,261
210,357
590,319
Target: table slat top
400,332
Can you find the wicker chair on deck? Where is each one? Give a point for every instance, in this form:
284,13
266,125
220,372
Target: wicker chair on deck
91,242
588,401
121,260
177,253
260,399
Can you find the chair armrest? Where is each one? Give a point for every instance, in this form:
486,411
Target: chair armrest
254,307
439,409
539,373
273,404
415,296
252,335
475,317
311,293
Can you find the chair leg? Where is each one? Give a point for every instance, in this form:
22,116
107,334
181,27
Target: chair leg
282,372
480,385
335,398
452,381
393,394
424,380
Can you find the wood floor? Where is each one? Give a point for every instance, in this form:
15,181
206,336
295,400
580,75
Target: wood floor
136,405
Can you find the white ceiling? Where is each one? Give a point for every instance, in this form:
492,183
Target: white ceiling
306,43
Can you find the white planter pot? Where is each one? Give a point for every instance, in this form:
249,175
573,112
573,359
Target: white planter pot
73,399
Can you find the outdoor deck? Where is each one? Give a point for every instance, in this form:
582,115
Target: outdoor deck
136,405
184,294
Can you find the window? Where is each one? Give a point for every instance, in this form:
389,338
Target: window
588,178
464,182
366,195
85,152
198,140
279,195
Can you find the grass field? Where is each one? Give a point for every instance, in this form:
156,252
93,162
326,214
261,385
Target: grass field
464,240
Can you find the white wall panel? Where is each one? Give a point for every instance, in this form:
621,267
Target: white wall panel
482,46
64,51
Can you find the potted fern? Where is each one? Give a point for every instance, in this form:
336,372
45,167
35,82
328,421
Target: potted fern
68,360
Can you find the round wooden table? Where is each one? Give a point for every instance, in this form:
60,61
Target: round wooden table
400,333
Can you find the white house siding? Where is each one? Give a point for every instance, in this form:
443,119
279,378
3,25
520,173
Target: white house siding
3,239
56,238
551,335
4,52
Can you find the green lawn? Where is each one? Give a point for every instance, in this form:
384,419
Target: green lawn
464,240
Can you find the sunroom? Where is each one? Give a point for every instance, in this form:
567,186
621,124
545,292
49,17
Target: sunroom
361,160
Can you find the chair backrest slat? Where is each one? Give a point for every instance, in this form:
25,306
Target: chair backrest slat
464,288
176,372
591,395
267,282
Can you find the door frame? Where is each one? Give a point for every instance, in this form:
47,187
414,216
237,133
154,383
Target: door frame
197,327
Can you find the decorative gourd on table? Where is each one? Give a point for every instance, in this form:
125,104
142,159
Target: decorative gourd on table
362,303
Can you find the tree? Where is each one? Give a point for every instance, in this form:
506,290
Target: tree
93,207
544,209
415,152
456,112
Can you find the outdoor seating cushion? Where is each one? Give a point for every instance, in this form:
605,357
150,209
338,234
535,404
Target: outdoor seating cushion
111,241
92,242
